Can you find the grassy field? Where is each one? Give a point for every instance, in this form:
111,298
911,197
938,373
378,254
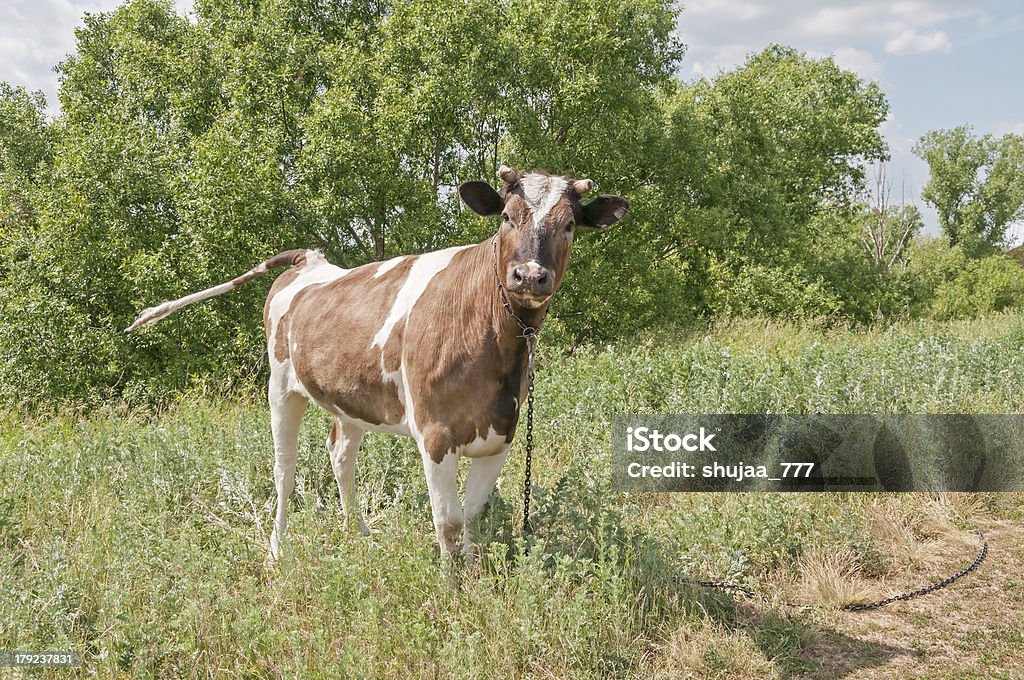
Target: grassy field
138,539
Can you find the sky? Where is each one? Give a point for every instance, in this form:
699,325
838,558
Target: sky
941,63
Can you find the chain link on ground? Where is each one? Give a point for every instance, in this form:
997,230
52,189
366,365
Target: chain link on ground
863,606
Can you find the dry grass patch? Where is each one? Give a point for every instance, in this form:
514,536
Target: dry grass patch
832,577
903,537
709,651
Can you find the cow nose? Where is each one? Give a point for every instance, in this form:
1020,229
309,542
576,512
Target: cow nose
532,278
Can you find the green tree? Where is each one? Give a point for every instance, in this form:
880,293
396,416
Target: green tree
756,156
26,145
976,185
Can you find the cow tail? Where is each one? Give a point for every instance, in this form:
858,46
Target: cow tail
151,315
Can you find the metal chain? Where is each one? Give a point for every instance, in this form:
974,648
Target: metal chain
910,595
529,334
949,580
531,343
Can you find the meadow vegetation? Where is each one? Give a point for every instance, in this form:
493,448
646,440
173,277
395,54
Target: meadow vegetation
137,469
138,537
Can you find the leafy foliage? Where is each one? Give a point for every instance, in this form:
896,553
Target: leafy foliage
753,159
976,185
946,283
184,152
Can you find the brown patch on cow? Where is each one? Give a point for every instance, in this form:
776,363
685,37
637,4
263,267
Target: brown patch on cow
335,324
332,438
467,382
281,349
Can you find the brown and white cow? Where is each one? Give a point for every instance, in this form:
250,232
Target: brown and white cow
419,345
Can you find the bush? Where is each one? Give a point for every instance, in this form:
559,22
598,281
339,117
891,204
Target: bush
763,290
947,284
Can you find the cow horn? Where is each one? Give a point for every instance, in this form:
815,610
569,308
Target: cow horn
583,186
507,174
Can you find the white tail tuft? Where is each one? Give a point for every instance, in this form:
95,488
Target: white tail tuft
151,315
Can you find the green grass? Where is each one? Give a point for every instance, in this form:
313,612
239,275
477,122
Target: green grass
138,539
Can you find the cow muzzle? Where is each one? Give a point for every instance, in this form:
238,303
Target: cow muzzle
531,283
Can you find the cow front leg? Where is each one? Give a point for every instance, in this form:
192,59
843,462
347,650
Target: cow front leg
343,448
483,474
441,469
286,411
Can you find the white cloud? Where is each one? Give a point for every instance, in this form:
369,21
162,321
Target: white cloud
717,31
988,29
840,22
1014,128
900,143
861,62
723,57
35,35
735,10
912,42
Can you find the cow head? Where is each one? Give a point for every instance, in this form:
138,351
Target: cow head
539,215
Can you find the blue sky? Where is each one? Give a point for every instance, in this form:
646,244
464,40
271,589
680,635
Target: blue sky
941,63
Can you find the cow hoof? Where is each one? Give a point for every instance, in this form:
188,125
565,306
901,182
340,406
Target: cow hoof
355,523
471,551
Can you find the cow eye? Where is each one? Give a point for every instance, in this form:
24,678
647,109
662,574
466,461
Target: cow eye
571,225
504,217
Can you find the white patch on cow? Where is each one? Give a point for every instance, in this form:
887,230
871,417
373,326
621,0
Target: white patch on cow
410,408
387,266
482,446
444,501
316,270
386,376
422,272
534,303
483,473
542,193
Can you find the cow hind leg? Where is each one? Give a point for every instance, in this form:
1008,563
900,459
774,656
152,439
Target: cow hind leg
483,474
343,448
286,410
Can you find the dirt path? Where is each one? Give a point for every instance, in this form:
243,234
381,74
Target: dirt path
974,629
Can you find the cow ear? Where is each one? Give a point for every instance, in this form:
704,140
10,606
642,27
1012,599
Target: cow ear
481,198
604,211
